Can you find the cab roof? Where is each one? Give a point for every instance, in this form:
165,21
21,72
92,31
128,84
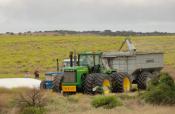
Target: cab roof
90,53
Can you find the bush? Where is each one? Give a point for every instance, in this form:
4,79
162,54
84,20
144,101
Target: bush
33,110
32,98
32,102
161,91
165,78
107,102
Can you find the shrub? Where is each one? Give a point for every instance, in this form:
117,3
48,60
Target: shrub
165,78
161,91
32,102
33,110
107,102
32,98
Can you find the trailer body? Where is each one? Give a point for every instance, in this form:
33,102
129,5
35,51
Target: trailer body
134,63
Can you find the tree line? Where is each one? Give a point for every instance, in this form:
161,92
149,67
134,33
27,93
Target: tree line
103,33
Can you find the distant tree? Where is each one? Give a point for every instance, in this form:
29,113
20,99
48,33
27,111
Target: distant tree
9,33
19,33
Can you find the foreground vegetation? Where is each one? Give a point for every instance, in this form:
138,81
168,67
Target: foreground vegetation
20,54
77,104
159,98
107,102
161,91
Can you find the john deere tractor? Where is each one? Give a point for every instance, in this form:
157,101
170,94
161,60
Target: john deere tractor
91,75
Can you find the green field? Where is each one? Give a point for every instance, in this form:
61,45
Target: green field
19,54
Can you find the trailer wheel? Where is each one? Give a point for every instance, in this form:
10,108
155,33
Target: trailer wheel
143,79
42,85
97,83
57,84
121,82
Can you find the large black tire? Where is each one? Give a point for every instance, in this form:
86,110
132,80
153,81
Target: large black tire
57,84
118,82
42,85
95,80
89,83
142,79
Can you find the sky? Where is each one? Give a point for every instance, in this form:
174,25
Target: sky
80,15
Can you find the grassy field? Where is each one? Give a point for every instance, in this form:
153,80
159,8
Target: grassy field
19,54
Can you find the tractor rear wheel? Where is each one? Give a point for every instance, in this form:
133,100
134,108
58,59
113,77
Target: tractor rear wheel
143,79
97,83
121,82
42,85
57,84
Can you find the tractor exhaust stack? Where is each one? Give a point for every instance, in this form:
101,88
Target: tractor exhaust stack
75,58
71,58
57,66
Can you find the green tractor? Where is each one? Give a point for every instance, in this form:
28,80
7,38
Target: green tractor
91,75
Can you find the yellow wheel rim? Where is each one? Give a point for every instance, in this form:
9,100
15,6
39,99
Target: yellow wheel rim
106,86
126,84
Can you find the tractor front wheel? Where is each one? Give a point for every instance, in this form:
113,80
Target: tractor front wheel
57,84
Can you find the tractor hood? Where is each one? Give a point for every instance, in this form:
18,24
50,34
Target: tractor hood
75,68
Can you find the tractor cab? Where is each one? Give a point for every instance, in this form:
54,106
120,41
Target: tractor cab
91,60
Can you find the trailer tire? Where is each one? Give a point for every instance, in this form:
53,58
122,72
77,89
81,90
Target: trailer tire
142,79
42,85
57,84
95,82
121,82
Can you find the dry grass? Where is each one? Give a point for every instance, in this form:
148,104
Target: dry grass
131,106
138,110
80,104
